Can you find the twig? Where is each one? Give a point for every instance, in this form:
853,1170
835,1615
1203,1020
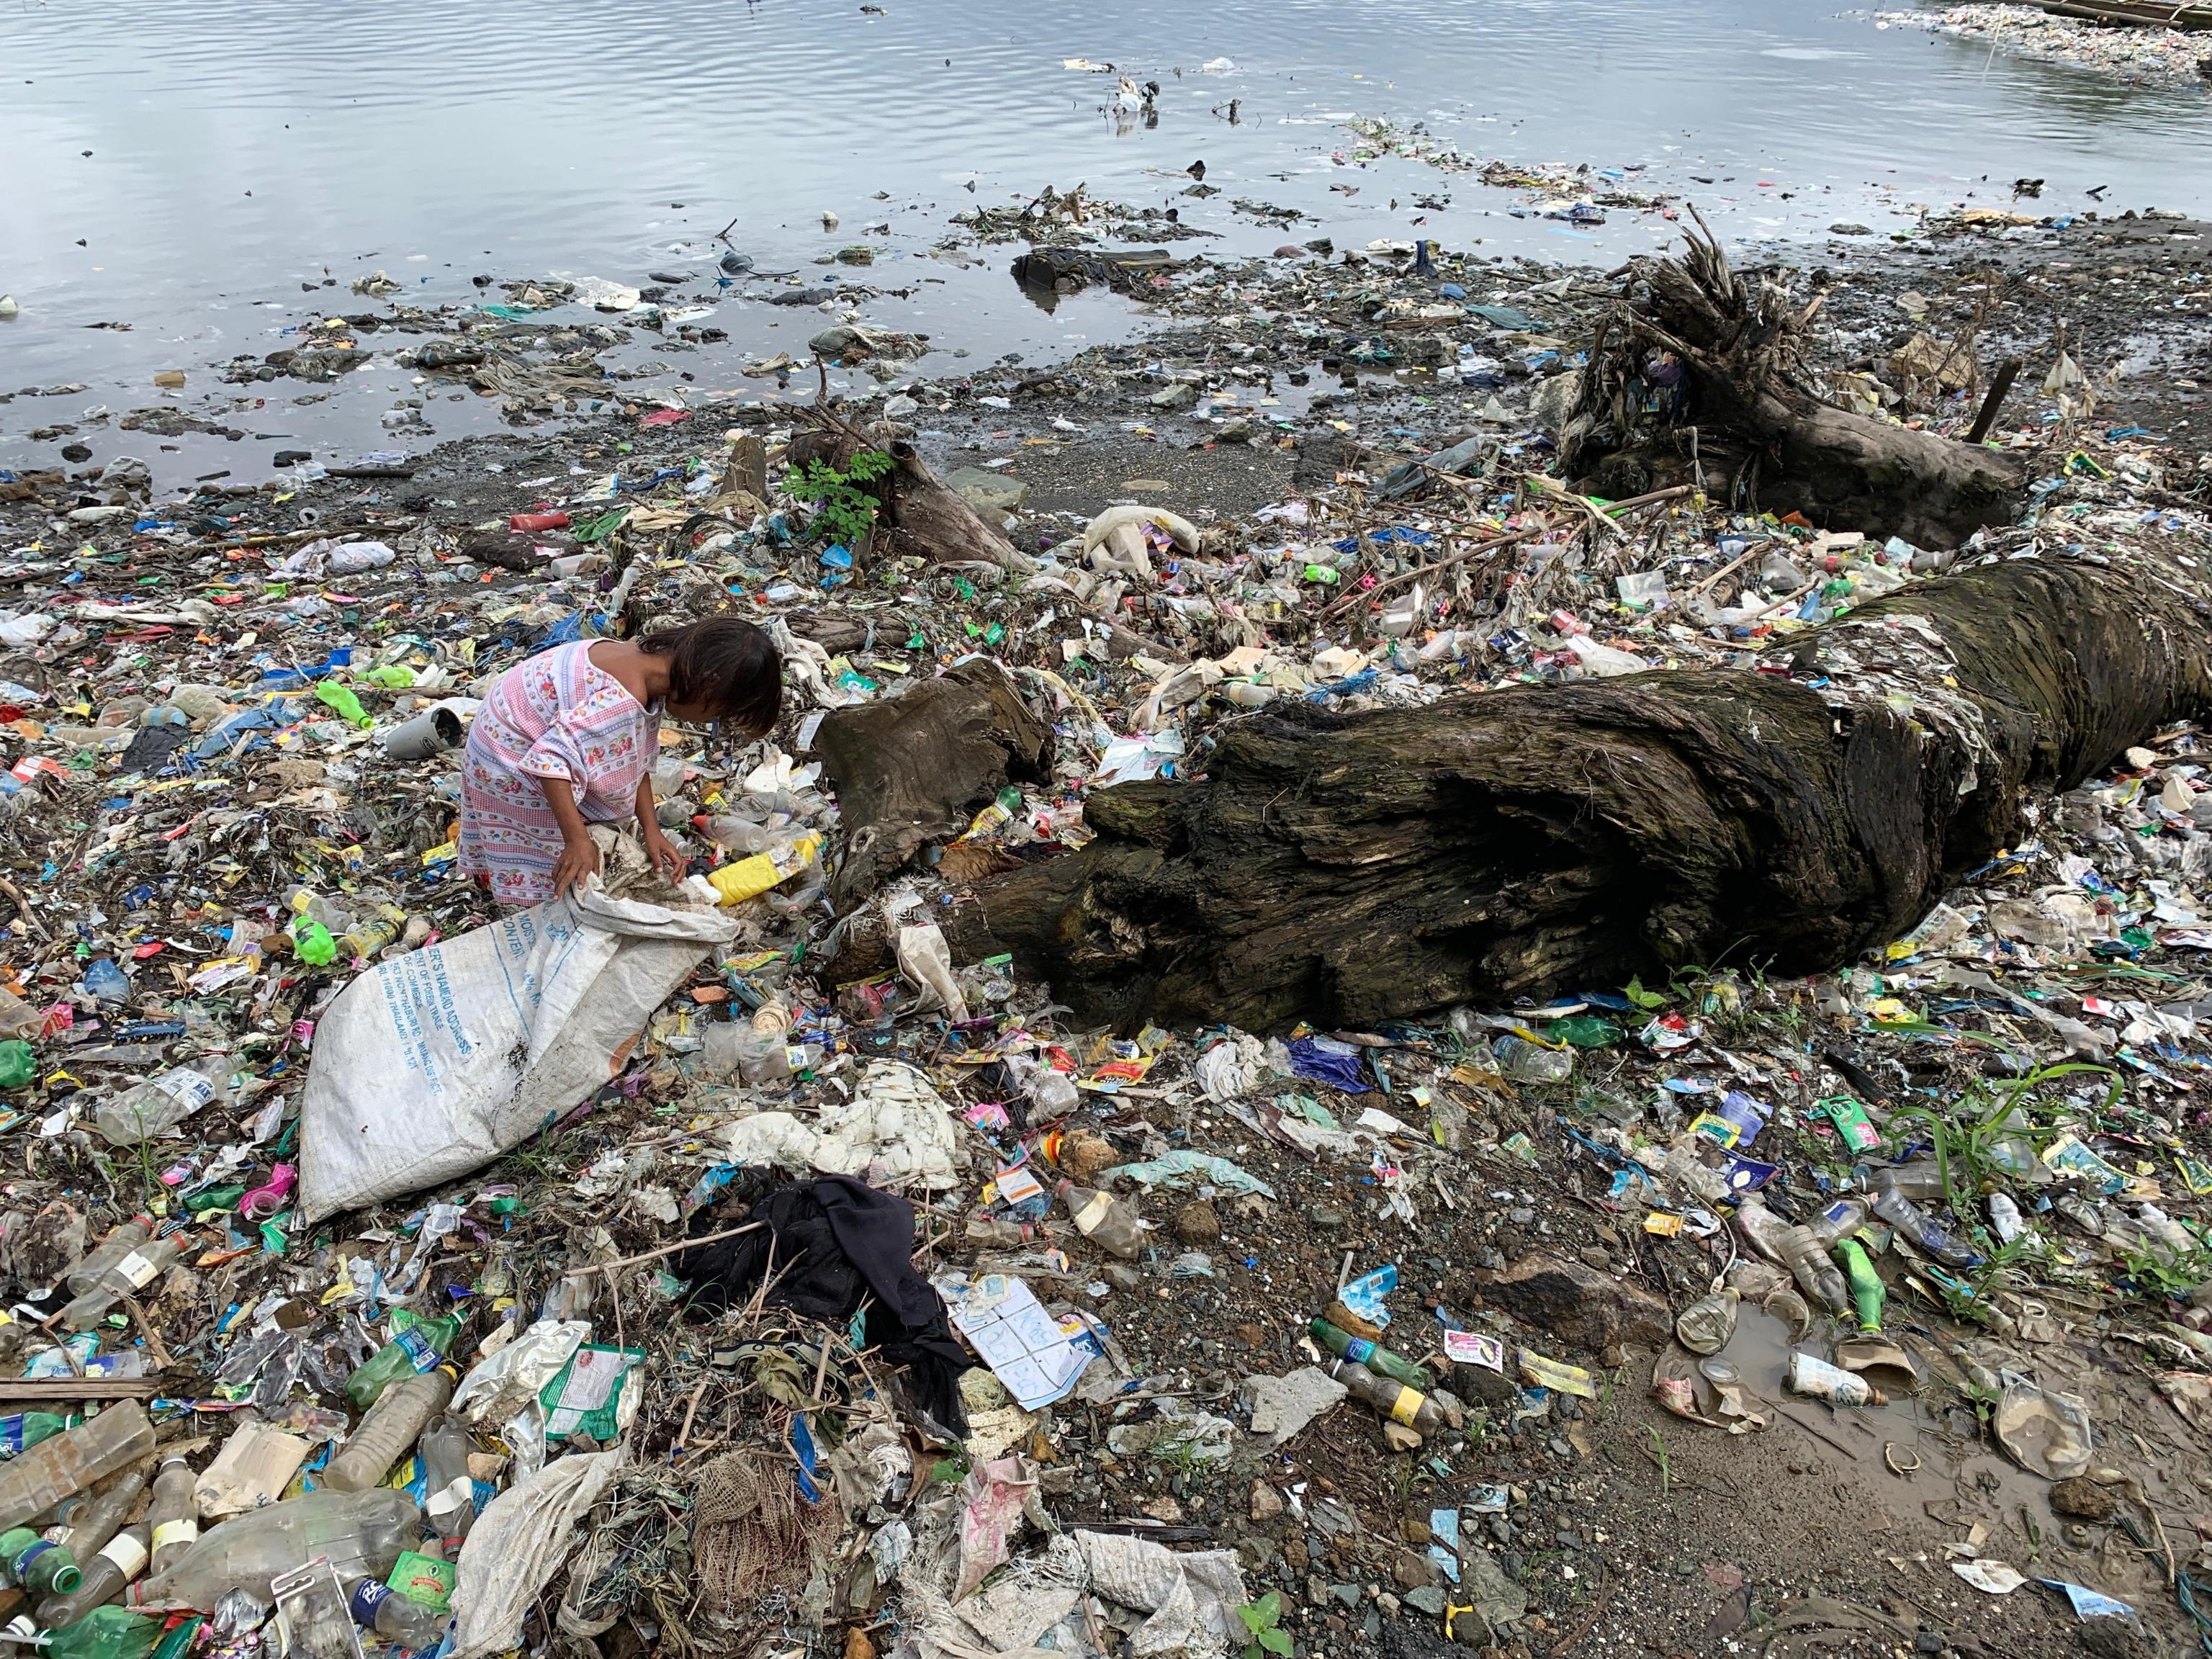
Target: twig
665,1249
2008,372
1399,580
153,1346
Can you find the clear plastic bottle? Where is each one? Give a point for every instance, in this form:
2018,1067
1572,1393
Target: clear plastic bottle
107,1575
1839,1221
361,1532
451,1501
1104,1220
1531,1062
159,1104
1920,1180
399,1620
133,1274
175,1513
109,1251
1395,1400
1805,1251
1707,1325
392,1425
1922,1229
61,1468
99,1518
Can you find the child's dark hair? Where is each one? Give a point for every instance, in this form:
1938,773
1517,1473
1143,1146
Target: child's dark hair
726,664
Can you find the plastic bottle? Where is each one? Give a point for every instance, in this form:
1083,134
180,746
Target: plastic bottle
1817,1379
451,1500
1806,1252
2166,1232
734,834
414,1351
749,877
1839,1221
175,1513
133,1274
18,1063
1920,1180
1361,1351
159,1104
361,1532
1394,1399
97,1519
994,1232
120,1560
393,1424
1762,1230
105,1254
1866,1284
42,1569
399,1620
1922,1229
372,933
71,1463
1103,1219
1707,1325
1531,1062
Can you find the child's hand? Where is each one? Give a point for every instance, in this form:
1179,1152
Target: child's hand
579,857
664,854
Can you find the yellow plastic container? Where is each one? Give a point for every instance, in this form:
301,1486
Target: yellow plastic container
749,877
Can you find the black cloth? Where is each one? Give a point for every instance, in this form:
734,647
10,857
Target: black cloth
832,1241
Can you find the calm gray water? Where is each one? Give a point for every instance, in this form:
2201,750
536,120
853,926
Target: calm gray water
239,147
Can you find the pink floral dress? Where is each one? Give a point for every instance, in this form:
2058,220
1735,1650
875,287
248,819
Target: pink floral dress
558,715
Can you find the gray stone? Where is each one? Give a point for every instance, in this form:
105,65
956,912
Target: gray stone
1427,1599
989,493
1348,1594
1179,394
1281,1406
1496,1597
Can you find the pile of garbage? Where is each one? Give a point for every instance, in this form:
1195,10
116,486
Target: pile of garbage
716,1267
2145,53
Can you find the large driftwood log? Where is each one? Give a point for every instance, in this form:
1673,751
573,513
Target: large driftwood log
1350,869
915,768
1698,374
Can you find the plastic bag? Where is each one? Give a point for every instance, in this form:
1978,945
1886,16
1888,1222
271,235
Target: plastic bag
517,1544
431,1064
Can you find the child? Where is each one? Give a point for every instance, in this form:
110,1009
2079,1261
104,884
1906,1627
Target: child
568,739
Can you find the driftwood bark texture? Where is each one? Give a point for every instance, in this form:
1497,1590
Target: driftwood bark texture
1527,841
1700,372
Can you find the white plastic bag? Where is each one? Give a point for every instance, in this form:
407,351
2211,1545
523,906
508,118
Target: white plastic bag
519,1543
433,1063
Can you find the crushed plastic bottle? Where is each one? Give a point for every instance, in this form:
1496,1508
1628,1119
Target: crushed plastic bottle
1923,1230
1103,1219
1707,1325
1531,1062
159,1104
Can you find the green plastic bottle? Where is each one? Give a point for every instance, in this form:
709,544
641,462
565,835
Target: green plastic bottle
1360,1351
108,1632
341,701
18,1065
415,1347
1866,1284
41,1568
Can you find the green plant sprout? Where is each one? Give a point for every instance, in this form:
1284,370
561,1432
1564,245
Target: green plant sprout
844,510
1263,1621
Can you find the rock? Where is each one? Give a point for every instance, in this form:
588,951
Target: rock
1496,1597
989,493
1426,1599
1266,1502
1295,1555
2084,1498
1281,1406
1122,1277
1348,1594
1181,394
1197,1223
1580,1305
1328,1221
1484,1387
1845,228
1238,431
1398,1438
1411,1571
